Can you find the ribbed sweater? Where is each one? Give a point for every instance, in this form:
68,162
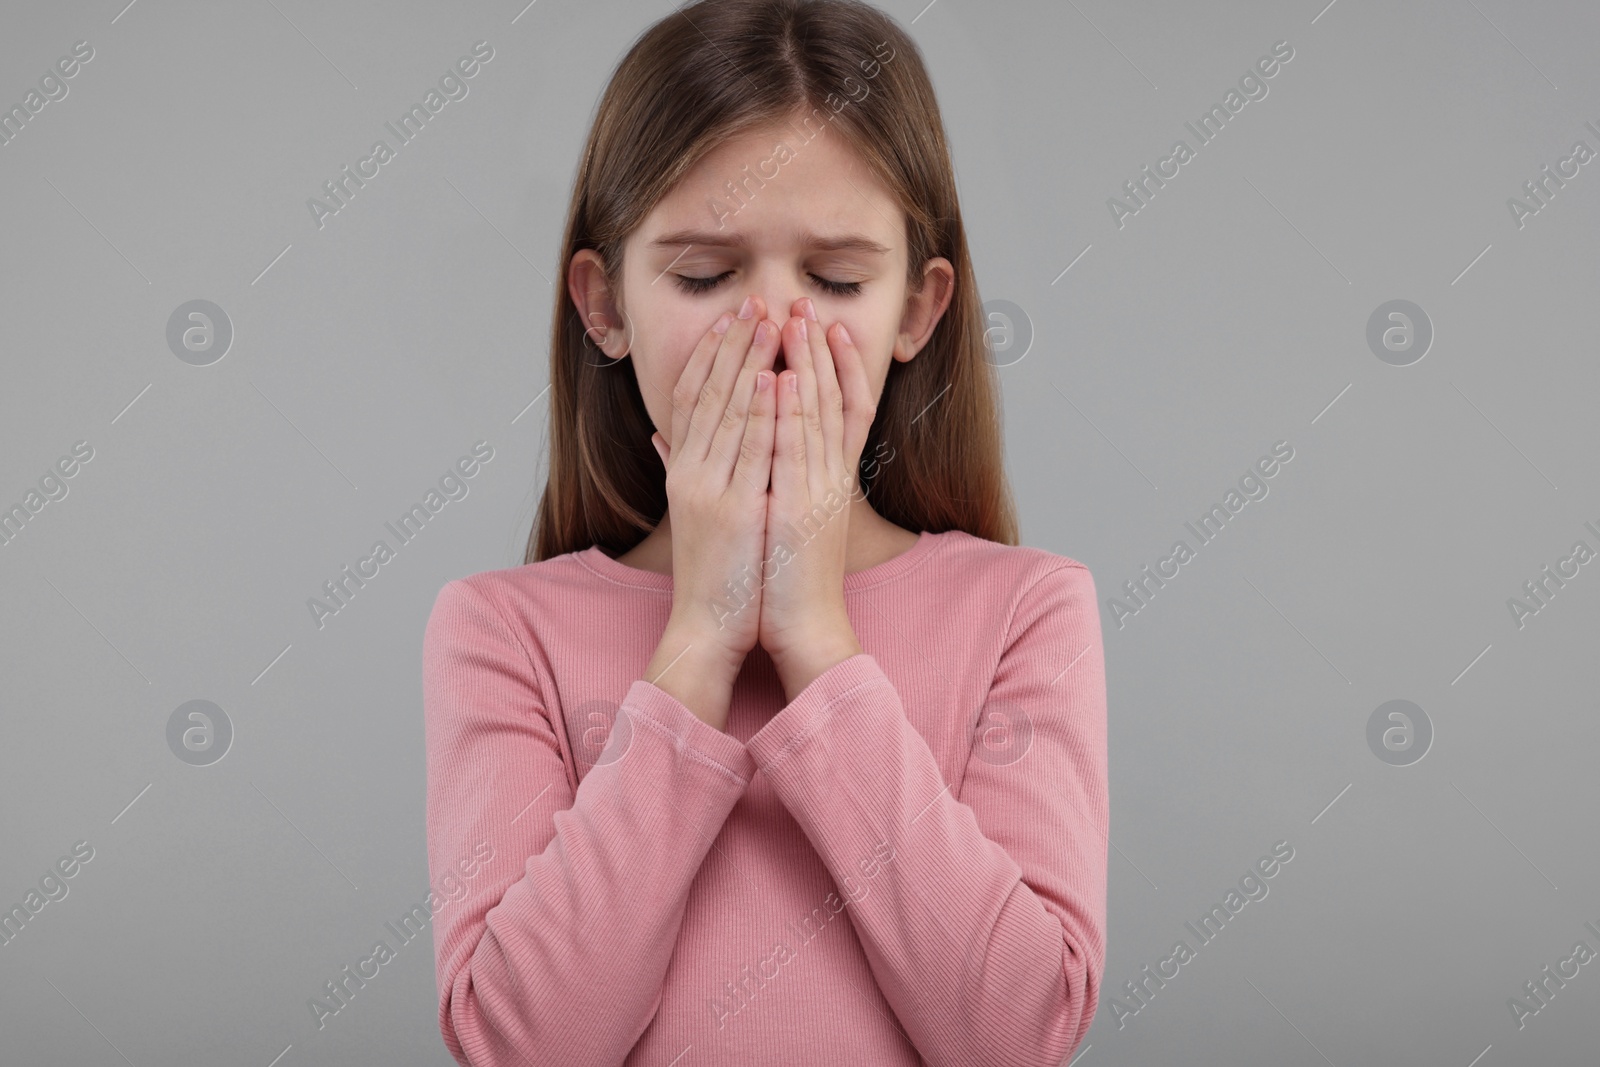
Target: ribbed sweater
905,864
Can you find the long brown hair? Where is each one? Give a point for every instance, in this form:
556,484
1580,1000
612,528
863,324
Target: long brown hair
704,73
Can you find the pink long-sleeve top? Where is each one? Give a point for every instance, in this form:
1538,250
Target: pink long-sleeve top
906,864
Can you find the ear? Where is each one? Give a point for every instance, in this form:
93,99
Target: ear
925,308
604,326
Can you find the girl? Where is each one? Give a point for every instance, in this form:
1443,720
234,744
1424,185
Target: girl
777,748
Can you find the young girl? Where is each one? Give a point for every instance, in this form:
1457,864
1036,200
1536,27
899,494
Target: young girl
777,748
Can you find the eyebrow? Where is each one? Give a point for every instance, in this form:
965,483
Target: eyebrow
850,242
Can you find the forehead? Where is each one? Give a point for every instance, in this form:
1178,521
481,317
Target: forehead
773,185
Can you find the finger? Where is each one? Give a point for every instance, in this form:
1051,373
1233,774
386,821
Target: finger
856,390
798,355
711,404
789,448
830,402
755,454
730,430
693,378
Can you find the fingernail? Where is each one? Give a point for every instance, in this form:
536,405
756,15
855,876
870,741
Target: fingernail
794,383
844,335
761,332
809,309
723,322
803,335
763,380
748,308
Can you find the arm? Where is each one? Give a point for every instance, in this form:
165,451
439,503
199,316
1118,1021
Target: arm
577,880
984,920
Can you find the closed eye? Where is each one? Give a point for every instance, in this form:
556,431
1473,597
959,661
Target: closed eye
705,285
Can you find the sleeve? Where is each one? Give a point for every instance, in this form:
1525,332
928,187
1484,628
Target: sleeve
551,887
985,921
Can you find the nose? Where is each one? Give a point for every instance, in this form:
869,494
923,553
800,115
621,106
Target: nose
779,283
779,299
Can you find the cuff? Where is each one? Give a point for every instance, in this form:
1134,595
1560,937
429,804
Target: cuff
653,708
786,731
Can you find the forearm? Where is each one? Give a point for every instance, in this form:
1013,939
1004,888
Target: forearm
983,924
611,884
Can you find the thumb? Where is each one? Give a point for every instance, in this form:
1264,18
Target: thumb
660,446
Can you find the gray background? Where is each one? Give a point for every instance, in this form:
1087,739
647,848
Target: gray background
1229,314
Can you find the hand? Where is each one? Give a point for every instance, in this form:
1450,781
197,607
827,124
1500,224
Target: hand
718,464
822,425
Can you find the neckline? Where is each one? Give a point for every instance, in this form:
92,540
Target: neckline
595,559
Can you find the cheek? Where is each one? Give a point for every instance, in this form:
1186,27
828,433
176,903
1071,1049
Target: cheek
873,335
671,350
872,323
661,350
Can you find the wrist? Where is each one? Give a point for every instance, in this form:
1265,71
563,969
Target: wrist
696,674
808,659
812,638
703,648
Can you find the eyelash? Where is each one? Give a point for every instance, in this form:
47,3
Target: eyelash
705,285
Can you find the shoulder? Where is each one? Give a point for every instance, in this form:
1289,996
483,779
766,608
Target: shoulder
1030,612
1003,583
510,601
989,564
526,579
